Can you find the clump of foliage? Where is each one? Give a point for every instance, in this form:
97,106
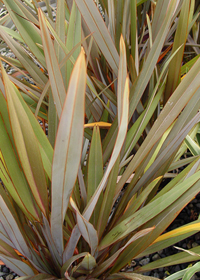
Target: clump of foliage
119,93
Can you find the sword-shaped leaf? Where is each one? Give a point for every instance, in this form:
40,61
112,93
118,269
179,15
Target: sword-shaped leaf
116,151
180,39
97,26
68,147
55,76
122,74
27,145
148,212
95,171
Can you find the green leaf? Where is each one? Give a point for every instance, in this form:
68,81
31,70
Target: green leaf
95,170
175,259
95,23
117,148
139,86
116,151
26,145
103,266
87,264
191,271
141,198
45,147
73,37
178,275
8,250
68,263
184,92
122,74
192,146
186,67
68,148
172,237
107,204
180,39
55,76
147,213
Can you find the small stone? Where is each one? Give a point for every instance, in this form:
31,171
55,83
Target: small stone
166,274
198,205
197,236
177,268
156,275
194,244
155,257
9,277
190,206
147,273
160,252
144,261
5,269
129,269
189,245
194,277
133,263
184,245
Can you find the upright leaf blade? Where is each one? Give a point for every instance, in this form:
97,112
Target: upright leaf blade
180,39
68,147
56,81
95,22
116,151
95,170
26,145
122,74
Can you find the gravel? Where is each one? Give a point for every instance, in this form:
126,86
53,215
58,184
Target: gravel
6,274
